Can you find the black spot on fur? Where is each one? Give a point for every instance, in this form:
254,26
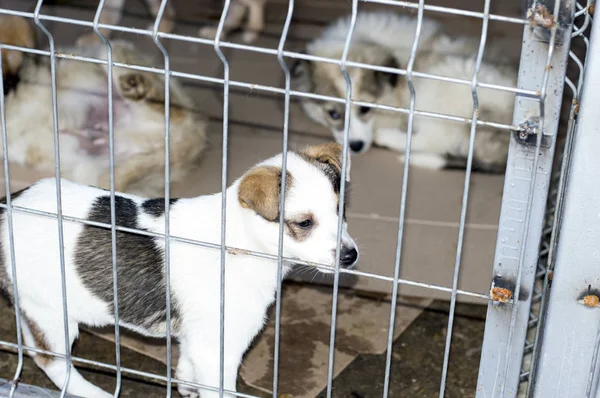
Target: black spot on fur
11,82
5,284
140,264
156,207
300,66
386,77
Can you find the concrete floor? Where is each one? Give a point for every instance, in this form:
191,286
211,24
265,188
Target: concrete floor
417,359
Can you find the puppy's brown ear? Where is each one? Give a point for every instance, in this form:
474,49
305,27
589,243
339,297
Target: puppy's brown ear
330,154
260,191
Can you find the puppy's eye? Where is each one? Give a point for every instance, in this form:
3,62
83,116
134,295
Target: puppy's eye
335,115
364,110
306,224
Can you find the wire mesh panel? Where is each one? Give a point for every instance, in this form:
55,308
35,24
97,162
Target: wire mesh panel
543,66
517,271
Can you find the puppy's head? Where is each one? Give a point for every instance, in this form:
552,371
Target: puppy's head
367,86
311,205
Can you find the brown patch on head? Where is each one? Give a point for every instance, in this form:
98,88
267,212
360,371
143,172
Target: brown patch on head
328,158
41,359
260,190
321,78
330,154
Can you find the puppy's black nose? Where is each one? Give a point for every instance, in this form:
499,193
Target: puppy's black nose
356,146
348,257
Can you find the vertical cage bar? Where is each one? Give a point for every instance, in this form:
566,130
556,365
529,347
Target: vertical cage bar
286,120
167,75
465,198
557,215
113,216
345,155
217,47
403,196
568,361
59,215
11,242
543,67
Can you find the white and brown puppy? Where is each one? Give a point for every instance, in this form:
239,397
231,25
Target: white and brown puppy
311,218
386,39
82,100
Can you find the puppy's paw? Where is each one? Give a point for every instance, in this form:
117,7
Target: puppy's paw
249,36
425,160
210,32
134,86
392,138
188,392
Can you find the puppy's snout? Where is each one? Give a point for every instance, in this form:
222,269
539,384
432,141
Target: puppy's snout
348,256
357,146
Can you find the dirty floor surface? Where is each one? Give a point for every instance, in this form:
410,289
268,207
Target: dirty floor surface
417,359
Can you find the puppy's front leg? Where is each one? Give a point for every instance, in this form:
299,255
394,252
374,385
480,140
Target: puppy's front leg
233,20
429,161
185,372
395,139
205,359
391,138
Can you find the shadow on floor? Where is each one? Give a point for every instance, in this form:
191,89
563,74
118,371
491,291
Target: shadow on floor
417,358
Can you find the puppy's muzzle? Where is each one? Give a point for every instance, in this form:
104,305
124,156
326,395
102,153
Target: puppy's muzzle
348,257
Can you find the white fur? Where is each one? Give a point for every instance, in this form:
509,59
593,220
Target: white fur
250,282
82,103
438,54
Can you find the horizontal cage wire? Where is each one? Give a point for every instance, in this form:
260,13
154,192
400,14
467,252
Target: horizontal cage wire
168,234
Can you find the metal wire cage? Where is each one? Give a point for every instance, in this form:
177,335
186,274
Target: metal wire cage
535,185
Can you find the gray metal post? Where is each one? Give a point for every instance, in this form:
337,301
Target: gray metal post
543,67
568,361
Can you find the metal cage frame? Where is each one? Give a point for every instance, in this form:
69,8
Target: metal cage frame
534,132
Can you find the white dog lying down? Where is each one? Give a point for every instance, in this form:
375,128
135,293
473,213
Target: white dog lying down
82,100
386,39
311,217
